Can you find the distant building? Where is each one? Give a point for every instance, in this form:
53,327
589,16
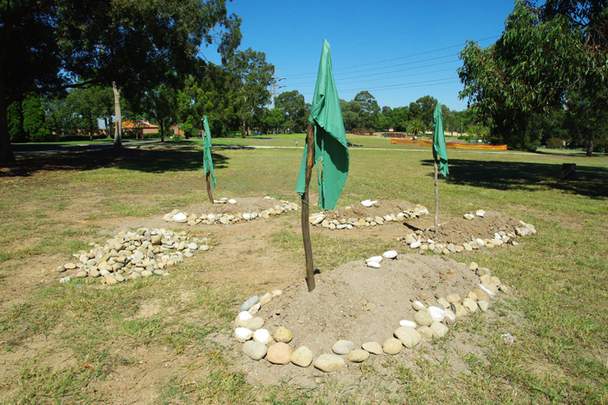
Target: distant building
140,128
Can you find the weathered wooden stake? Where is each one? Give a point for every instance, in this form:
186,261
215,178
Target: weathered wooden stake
310,271
436,194
209,193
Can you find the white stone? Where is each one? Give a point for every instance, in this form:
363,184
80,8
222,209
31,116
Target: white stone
406,323
179,217
437,313
480,213
243,334
232,201
262,336
469,216
487,290
373,265
417,305
390,254
415,244
369,203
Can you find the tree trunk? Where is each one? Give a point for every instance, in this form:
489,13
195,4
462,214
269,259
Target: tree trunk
589,151
243,129
305,220
117,116
162,130
6,153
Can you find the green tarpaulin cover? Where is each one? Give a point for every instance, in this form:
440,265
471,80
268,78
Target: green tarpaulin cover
331,147
207,160
440,153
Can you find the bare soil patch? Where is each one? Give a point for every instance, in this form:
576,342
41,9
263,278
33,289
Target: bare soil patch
458,230
381,208
356,303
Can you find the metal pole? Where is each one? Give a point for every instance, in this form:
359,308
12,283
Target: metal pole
310,272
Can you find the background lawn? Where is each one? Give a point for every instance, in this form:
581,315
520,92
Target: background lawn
85,343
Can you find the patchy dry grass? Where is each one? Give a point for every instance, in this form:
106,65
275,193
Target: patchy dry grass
85,343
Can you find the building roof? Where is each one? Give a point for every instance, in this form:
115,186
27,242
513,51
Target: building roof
138,124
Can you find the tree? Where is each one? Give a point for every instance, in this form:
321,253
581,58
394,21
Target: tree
273,120
29,55
292,106
161,106
34,122
88,104
131,45
422,110
368,109
254,76
540,61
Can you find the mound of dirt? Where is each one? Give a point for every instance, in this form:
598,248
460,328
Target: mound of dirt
243,204
458,230
379,209
357,303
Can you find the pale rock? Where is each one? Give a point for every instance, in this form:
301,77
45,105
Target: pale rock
469,216
262,336
439,330
480,213
249,302
265,299
443,302
64,280
255,309
473,266
368,203
409,337
406,323
483,305
480,294
418,306
279,353
232,201
343,346
426,332
329,363
437,314
392,346
180,217
390,254
357,355
470,305
450,317
282,335
302,356
243,334
423,318
255,350
372,347
453,298
415,244
459,310
244,316
276,293
373,265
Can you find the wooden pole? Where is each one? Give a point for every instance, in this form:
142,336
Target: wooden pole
436,194
310,272
209,193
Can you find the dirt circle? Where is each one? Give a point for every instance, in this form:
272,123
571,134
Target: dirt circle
243,204
356,303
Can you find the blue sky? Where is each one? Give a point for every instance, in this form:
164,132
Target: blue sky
398,50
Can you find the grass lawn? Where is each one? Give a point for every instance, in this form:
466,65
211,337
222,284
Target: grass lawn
154,340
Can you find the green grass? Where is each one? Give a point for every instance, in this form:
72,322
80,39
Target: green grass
560,276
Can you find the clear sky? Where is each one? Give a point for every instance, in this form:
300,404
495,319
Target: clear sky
399,50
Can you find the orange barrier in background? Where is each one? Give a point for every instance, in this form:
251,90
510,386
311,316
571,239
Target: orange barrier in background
450,145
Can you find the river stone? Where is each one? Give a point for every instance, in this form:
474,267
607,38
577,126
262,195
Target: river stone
443,302
439,330
69,266
459,310
249,302
302,356
392,346
343,346
450,317
407,323
483,305
373,265
473,266
480,295
254,350
244,316
276,293
253,323
372,347
423,318
255,309
265,299
470,305
329,363
357,355
437,314
243,334
279,353
110,280
425,332
408,336
390,254
417,305
262,336
282,334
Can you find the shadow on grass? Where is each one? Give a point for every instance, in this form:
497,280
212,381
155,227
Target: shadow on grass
589,181
146,157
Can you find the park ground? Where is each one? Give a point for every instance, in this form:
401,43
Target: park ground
155,340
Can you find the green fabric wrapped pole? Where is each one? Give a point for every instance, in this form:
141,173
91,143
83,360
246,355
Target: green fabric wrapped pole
331,147
207,159
440,153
